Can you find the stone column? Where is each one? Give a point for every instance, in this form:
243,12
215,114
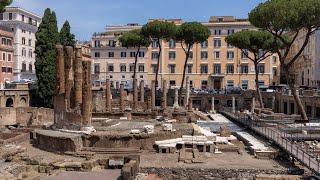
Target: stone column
122,98
212,105
68,63
190,104
108,96
233,104
153,93
253,106
164,97
176,98
141,91
78,77
135,94
273,103
186,99
60,74
86,94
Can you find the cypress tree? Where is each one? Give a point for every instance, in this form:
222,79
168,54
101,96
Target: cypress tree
47,37
66,37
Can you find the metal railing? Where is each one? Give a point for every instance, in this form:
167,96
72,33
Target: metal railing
281,138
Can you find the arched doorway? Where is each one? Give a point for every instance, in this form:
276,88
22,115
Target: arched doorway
23,102
9,102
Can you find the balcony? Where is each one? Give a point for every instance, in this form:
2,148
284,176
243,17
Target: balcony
218,75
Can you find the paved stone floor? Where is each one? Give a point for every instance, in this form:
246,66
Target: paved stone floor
101,175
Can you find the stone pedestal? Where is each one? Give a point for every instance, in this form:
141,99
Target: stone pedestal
153,95
128,113
135,95
141,91
108,96
233,105
164,97
122,98
176,98
186,98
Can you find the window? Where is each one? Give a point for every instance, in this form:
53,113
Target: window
154,55
204,44
230,31
172,43
4,69
217,43
97,54
154,44
22,18
191,84
23,41
23,31
172,55
30,68
141,77
230,54
204,69
204,84
10,16
261,83
4,41
96,68
123,68
110,68
261,68
230,69
132,54
131,68
30,53
9,42
190,55
274,59
172,68
275,73
97,43
30,42
230,84
244,69
172,83
141,54
123,54
244,54
9,57
1,16
204,55
217,69
244,84
111,54
189,68
112,43
24,52
217,54
24,67
141,68
217,32
154,68
30,21
3,56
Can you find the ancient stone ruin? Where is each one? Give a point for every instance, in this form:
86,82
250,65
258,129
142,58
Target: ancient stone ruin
73,98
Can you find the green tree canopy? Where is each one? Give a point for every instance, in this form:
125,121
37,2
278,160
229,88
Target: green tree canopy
160,30
134,39
47,37
66,37
4,3
191,33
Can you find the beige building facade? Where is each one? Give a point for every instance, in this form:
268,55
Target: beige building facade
212,64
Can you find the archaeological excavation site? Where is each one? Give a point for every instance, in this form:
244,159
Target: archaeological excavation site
147,133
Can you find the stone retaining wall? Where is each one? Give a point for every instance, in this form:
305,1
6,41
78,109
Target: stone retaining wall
191,174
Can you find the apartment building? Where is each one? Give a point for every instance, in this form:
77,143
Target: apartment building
306,68
6,54
24,24
212,64
112,61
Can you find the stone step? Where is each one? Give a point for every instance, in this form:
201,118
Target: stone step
100,150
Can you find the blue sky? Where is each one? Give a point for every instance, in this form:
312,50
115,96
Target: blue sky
89,16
